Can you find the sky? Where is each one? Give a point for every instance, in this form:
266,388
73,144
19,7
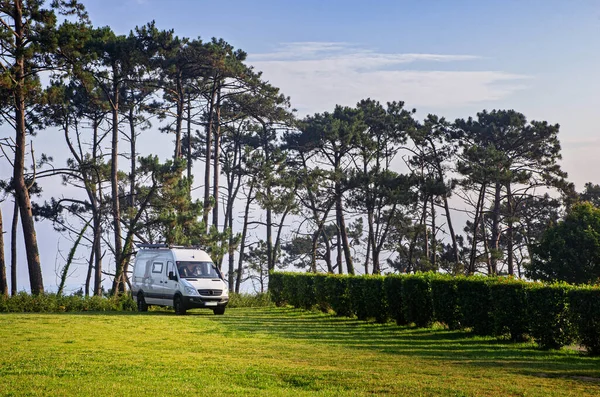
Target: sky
451,58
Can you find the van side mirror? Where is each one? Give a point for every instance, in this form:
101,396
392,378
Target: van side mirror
172,276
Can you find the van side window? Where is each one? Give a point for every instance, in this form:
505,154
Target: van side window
157,267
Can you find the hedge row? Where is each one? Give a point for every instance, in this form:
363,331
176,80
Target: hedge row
553,315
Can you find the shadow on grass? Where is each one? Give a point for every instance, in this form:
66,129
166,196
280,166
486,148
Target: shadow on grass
418,343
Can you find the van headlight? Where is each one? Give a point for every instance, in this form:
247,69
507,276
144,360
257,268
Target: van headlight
189,288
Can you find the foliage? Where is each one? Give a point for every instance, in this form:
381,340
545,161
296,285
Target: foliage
53,303
570,250
550,323
475,303
510,309
392,286
337,290
417,300
276,287
444,291
584,306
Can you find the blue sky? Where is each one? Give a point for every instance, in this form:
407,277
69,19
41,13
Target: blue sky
448,57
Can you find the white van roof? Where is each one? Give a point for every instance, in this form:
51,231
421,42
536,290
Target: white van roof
190,255
187,254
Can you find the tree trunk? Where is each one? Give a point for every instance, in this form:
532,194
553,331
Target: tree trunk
118,284
240,268
3,280
95,196
495,234
216,159
344,234
327,241
433,239
209,130
88,276
20,187
338,261
370,242
480,200
132,175
451,230
510,232
13,249
189,144
179,117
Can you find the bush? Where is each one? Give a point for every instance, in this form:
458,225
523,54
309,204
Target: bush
444,292
375,300
548,306
305,290
321,298
474,304
356,292
392,286
417,302
338,295
584,303
276,288
52,303
509,308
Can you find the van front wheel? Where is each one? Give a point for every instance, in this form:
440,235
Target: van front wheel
219,310
142,306
178,305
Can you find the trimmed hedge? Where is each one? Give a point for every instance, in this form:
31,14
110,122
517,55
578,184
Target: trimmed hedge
444,292
584,306
417,301
551,325
392,286
474,304
553,315
510,310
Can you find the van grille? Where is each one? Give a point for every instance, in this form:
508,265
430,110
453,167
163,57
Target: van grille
210,292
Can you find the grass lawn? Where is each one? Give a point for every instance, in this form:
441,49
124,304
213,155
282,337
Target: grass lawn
271,352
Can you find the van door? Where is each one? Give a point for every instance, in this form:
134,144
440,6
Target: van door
170,286
158,277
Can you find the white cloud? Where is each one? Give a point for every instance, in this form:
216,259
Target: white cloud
318,76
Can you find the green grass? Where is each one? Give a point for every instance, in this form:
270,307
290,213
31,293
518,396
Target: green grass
271,352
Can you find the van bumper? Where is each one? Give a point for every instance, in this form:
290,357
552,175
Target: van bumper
197,302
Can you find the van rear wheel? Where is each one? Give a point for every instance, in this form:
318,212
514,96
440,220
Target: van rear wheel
142,306
219,310
178,305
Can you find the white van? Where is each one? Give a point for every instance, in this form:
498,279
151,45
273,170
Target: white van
181,277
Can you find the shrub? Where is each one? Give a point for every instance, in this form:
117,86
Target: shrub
336,286
584,303
321,298
52,303
509,308
305,297
392,286
356,292
444,292
548,310
375,300
416,299
474,304
276,288
290,293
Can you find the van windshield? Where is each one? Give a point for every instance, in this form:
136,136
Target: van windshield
197,270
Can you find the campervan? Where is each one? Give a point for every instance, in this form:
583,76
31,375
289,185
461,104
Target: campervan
180,277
